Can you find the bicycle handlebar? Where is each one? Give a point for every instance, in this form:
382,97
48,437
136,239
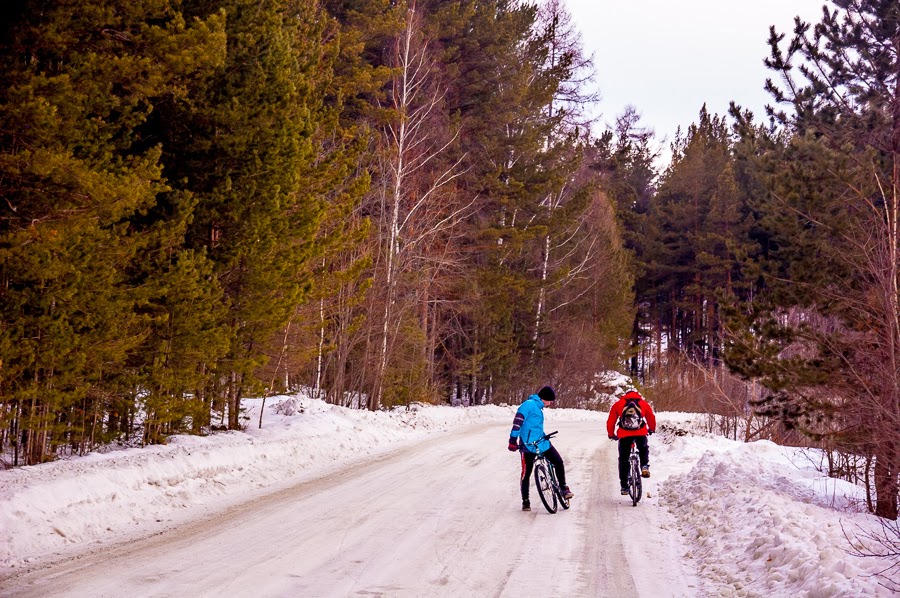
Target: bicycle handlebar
544,437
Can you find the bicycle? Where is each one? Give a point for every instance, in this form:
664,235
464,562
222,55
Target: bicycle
545,478
634,475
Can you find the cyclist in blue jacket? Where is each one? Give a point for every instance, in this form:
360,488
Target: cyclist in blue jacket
528,426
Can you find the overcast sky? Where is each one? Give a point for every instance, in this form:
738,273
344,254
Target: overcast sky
669,57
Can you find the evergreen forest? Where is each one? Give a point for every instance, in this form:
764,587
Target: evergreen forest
397,201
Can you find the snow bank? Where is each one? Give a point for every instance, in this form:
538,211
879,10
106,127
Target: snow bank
757,518
46,508
761,521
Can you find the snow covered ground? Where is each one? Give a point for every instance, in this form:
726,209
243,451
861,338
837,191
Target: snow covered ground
719,518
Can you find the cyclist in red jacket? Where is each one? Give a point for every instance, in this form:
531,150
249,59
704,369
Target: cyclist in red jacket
635,421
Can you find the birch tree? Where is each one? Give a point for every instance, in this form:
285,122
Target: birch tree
416,204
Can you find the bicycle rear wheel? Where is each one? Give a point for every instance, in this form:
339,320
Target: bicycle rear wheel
545,490
634,481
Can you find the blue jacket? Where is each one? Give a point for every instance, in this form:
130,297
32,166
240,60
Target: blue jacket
528,425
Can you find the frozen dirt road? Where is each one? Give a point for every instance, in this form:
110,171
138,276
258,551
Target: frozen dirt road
440,518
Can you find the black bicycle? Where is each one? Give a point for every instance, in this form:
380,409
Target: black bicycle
545,478
634,475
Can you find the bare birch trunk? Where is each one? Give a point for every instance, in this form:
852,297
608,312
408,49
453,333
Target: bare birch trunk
393,229
411,203
320,351
542,294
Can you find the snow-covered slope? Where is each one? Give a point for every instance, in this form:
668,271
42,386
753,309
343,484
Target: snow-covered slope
762,521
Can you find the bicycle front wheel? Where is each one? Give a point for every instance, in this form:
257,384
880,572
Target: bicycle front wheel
557,489
634,483
545,490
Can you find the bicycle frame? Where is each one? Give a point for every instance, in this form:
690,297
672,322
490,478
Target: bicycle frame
545,478
634,475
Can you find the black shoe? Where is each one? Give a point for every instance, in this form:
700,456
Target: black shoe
526,505
624,491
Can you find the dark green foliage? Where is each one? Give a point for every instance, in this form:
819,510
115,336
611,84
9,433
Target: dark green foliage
180,354
623,159
823,337
77,78
694,242
507,70
247,148
192,213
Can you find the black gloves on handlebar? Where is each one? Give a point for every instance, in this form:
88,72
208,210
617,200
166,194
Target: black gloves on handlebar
613,437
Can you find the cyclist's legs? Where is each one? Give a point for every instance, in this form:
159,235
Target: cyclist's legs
553,456
527,466
643,448
624,451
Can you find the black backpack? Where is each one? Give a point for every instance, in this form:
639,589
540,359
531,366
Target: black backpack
631,418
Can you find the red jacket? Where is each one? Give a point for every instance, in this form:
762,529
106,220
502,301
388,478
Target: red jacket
616,412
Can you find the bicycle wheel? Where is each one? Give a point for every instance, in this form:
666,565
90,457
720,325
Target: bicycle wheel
634,481
557,489
545,490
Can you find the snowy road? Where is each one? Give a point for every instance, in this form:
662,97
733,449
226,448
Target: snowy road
440,518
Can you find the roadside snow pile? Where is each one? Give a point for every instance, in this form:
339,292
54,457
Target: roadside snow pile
45,508
759,519
762,523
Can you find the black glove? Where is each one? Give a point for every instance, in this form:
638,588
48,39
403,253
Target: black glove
650,432
613,437
512,446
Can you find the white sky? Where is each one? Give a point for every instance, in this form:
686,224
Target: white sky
668,57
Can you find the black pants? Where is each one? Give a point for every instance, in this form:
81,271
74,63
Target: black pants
528,464
625,450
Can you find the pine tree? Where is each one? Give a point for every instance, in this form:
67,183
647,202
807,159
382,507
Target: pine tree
824,338
623,160
507,71
77,78
700,220
178,357
248,148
